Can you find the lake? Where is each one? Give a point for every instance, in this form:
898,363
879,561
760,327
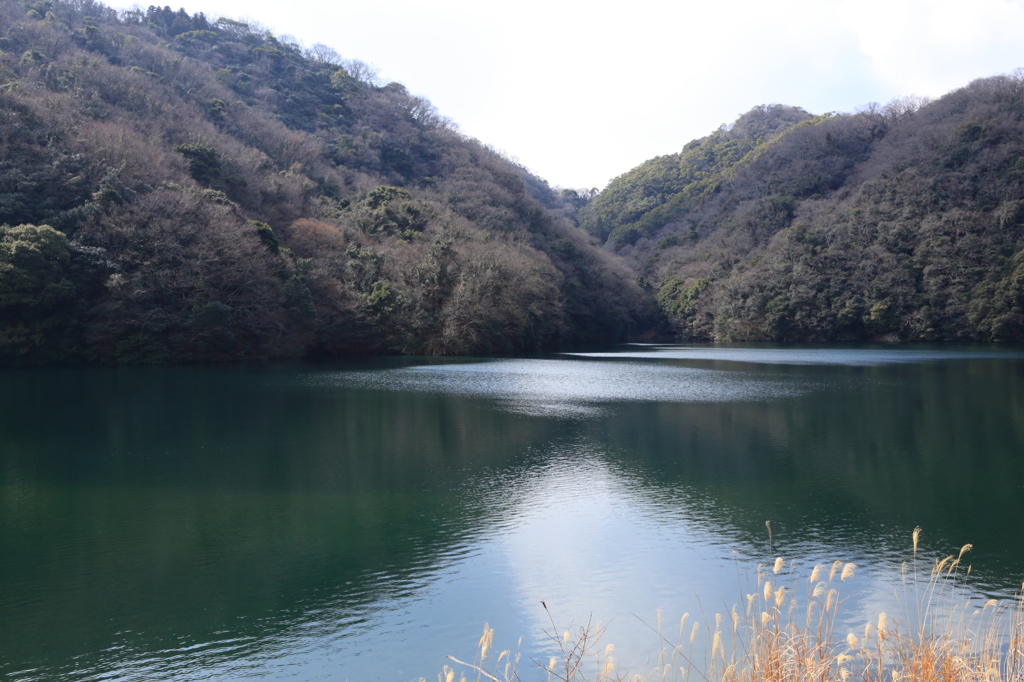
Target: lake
361,520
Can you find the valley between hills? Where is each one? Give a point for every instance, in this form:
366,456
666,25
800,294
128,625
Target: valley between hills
175,188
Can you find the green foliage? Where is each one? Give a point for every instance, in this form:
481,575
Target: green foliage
32,263
406,219
203,162
382,196
681,302
662,190
37,9
196,38
382,300
679,299
266,235
343,82
34,287
107,195
33,58
216,108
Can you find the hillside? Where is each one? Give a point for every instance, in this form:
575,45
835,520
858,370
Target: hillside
174,188
903,222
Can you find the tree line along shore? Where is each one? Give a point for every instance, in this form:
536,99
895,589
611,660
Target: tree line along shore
175,188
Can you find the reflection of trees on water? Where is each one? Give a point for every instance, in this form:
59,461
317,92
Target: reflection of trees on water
858,461
157,507
177,505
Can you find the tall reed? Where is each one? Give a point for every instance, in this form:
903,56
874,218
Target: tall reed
786,631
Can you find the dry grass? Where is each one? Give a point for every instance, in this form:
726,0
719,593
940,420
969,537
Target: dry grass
786,632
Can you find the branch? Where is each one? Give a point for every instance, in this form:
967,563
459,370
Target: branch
476,668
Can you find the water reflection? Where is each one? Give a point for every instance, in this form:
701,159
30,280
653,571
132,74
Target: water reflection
806,354
362,521
574,388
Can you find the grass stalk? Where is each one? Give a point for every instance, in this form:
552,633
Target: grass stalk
945,637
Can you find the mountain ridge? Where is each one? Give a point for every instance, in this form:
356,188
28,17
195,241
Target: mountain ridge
212,192
180,189
900,222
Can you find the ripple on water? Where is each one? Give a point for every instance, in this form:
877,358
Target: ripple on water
571,389
861,357
578,521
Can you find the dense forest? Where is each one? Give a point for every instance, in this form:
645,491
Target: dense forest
902,222
174,188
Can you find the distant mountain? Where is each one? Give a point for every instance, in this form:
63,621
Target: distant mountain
903,222
174,188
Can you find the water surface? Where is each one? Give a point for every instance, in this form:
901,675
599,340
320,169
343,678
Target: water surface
361,520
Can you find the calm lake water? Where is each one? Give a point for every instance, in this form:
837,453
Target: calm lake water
360,521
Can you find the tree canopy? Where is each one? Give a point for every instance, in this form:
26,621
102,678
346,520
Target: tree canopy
900,222
177,188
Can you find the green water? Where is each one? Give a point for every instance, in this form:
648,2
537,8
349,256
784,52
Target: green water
360,521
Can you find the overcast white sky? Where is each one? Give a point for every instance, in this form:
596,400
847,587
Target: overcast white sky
580,92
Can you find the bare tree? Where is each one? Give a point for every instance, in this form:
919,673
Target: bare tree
363,72
901,108
323,54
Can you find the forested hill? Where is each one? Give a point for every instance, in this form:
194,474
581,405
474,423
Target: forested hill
903,222
174,188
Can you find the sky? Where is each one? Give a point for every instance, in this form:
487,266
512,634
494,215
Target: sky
580,92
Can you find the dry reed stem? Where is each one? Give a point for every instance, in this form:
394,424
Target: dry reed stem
951,639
